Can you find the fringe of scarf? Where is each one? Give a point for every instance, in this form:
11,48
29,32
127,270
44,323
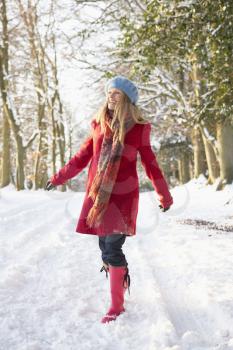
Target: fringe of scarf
108,166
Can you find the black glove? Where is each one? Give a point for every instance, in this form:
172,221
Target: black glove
49,186
163,209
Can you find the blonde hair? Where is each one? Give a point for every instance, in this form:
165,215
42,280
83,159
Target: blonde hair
122,109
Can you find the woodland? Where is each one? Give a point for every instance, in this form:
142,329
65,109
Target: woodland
179,53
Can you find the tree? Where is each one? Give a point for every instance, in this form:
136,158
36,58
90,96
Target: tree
196,38
8,109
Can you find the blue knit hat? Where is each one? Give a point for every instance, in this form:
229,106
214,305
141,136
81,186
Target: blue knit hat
125,85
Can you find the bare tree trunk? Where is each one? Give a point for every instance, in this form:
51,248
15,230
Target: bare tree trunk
58,134
212,162
7,104
5,164
20,150
40,168
58,126
54,136
198,147
61,139
20,156
61,143
198,153
7,110
184,173
225,148
29,17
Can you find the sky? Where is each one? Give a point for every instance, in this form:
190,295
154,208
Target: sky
83,100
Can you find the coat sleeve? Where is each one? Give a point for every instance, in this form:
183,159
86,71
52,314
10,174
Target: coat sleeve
77,163
152,168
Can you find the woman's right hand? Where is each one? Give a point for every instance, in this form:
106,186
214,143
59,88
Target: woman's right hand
49,186
163,209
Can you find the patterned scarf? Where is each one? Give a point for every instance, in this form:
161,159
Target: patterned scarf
108,166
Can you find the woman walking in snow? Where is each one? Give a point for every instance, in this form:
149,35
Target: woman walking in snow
118,134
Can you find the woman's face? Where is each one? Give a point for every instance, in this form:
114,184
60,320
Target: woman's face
114,96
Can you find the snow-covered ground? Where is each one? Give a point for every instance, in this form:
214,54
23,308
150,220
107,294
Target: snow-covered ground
52,295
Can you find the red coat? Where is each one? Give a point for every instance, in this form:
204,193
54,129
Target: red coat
121,213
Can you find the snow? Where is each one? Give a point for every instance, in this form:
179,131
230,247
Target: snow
52,295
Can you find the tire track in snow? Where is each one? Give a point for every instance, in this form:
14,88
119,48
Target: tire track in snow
20,210
20,237
24,244
150,304
37,231
193,333
15,225
49,200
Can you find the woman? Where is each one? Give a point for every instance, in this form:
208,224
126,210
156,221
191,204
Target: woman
110,207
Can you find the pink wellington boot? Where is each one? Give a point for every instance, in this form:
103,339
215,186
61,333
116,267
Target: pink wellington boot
119,282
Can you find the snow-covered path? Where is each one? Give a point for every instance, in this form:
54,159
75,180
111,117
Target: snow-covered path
52,295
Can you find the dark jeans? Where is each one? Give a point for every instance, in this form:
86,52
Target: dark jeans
111,248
